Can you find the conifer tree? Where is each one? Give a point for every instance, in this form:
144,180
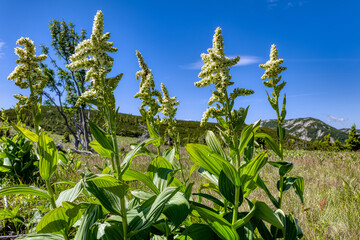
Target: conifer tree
353,141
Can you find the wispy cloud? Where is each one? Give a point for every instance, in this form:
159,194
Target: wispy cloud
2,44
335,119
244,60
285,4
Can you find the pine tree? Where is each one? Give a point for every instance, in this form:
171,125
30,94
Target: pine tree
353,142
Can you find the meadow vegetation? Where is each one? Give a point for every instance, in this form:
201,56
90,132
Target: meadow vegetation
237,182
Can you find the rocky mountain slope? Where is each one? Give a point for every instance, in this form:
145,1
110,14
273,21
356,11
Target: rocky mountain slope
309,129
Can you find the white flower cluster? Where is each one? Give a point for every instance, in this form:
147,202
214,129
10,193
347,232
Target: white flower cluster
91,55
272,68
27,74
147,93
215,71
168,109
272,72
168,103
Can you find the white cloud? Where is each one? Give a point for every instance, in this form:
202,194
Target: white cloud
244,60
335,119
2,44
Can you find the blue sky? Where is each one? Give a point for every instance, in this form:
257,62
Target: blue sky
319,40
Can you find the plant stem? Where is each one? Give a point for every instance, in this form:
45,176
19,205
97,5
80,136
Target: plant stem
123,217
52,201
236,205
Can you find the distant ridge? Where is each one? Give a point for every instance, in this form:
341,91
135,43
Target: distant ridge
309,129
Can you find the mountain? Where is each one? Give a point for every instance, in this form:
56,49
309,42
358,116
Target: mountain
309,129
347,130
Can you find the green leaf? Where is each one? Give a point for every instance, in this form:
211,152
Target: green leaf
283,110
299,186
159,170
227,189
246,135
151,210
249,150
231,174
59,220
211,198
198,231
39,236
169,154
153,134
27,133
177,209
260,183
108,190
142,194
205,158
251,169
105,231
49,157
24,189
100,149
217,223
92,213
271,142
5,169
284,167
214,144
222,122
138,150
71,194
103,138
264,212
133,175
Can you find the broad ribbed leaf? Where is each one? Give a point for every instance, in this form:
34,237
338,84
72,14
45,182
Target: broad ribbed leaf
102,137
260,183
153,134
231,174
284,167
251,169
71,194
105,231
299,186
246,134
210,197
214,144
39,236
159,170
91,215
198,231
271,142
49,157
169,154
108,190
227,189
217,223
264,212
204,157
177,209
24,189
133,175
27,133
59,220
141,194
150,211
138,150
100,149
